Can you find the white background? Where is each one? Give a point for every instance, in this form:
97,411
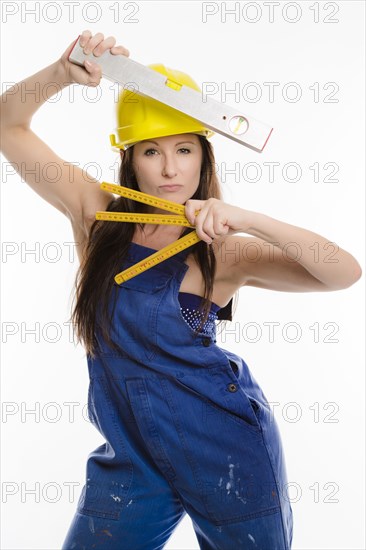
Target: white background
318,383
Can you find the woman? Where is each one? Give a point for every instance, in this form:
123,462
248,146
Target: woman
187,427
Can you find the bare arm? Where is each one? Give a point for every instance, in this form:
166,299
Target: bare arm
18,107
76,194
303,252
283,257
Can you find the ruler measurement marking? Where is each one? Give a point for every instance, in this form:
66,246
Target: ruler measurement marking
143,197
160,255
143,218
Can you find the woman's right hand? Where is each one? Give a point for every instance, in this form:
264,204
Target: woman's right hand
97,44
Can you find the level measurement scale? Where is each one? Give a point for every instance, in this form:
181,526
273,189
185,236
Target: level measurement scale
215,115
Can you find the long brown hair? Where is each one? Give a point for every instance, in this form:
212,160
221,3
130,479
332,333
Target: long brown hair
108,244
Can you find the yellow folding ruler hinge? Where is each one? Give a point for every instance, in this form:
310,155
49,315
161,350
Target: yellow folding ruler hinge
178,219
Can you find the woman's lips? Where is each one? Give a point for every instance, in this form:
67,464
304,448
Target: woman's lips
170,187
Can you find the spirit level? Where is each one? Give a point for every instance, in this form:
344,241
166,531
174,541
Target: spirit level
223,119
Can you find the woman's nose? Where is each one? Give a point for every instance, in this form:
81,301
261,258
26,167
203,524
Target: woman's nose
169,167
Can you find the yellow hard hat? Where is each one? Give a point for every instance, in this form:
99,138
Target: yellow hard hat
141,118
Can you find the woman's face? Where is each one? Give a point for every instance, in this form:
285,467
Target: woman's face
168,167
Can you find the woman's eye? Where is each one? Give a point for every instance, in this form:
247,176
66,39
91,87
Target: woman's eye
151,152
148,151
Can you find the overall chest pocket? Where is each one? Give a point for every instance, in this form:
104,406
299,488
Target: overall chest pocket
148,281
137,313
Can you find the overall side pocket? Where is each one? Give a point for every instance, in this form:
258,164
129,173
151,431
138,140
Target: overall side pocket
108,469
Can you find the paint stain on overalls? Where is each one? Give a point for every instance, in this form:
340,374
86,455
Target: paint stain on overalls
187,430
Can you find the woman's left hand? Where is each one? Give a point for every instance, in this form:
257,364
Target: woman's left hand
216,218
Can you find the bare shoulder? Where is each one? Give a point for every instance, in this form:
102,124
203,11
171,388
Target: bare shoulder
82,221
225,284
227,254
254,262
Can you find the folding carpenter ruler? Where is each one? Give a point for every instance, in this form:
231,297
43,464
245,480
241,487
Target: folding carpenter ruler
178,219
216,116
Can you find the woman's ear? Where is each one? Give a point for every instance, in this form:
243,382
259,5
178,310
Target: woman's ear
121,153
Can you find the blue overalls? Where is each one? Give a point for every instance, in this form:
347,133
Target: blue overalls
187,430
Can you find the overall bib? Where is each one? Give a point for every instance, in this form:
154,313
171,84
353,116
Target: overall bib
187,429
